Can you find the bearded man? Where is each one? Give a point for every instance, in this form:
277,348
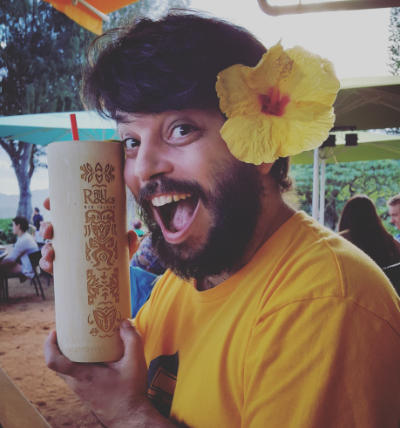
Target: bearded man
264,317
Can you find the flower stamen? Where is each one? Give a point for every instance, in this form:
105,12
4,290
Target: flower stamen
273,103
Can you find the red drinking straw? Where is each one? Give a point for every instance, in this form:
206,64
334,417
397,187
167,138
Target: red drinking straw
74,127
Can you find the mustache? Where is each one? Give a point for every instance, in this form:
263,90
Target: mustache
170,185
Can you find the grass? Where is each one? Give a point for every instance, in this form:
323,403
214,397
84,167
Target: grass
6,235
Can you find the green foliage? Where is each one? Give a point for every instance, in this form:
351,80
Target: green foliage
41,53
6,234
143,8
377,179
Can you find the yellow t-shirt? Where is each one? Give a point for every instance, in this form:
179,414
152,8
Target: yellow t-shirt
307,334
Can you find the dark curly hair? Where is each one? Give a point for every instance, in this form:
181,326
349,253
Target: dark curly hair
364,228
168,64
22,222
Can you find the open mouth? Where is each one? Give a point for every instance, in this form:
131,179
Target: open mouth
175,212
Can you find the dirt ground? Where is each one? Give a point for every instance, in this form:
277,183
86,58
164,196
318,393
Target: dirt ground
25,321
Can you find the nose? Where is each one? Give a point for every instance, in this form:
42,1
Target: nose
152,160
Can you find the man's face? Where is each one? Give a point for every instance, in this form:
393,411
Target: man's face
16,228
200,203
394,212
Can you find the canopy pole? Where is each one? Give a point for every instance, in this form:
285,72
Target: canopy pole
322,194
315,185
97,12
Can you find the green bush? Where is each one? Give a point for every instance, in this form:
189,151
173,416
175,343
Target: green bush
377,179
6,234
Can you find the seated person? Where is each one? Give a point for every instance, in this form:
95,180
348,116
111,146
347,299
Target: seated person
145,267
17,263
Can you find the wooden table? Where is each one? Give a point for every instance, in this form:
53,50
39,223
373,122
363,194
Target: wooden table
15,409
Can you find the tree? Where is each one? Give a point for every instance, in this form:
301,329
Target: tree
40,64
376,179
41,53
394,40
143,8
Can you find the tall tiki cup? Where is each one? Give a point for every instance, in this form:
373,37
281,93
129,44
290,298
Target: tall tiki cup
91,266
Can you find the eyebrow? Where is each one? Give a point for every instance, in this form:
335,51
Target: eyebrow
121,117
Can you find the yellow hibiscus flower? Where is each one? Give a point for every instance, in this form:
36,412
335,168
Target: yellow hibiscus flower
278,108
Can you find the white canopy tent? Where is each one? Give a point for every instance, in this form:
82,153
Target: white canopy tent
368,103
371,146
44,128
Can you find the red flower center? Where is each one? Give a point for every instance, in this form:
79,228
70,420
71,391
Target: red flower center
273,103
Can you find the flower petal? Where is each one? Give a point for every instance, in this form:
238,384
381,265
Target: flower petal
313,78
272,67
242,136
235,96
281,107
303,136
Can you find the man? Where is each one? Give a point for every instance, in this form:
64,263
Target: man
394,212
37,219
264,318
17,263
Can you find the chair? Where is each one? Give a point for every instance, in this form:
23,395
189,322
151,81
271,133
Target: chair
34,259
3,287
35,281
393,273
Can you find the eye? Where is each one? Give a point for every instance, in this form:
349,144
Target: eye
130,143
182,130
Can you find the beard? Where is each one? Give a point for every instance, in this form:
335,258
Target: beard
234,205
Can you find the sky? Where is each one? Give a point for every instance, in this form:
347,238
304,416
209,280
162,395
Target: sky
356,42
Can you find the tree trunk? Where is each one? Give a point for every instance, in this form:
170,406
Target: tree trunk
24,175
21,155
25,197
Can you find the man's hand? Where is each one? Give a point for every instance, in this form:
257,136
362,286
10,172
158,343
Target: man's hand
116,392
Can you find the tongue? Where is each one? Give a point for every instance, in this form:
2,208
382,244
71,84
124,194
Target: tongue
182,215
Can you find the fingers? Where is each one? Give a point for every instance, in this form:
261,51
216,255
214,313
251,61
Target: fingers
133,242
55,360
46,230
46,262
46,203
71,372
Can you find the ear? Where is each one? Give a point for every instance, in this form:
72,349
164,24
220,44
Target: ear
264,168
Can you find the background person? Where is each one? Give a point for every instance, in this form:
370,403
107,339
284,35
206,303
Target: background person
261,318
145,268
360,224
394,212
17,263
37,219
137,227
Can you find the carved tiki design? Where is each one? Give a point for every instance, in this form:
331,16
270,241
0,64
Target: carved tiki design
100,232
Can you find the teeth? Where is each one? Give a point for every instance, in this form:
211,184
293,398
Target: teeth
159,201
